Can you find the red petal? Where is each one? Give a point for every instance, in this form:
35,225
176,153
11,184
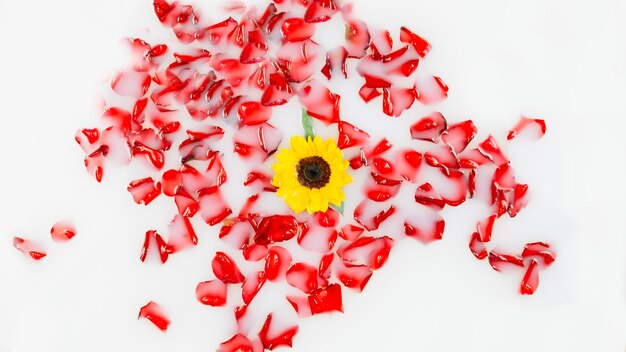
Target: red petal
485,228
425,228
504,178
357,38
329,218
62,231
277,262
520,199
477,247
212,293
151,239
530,282
539,249
182,234
303,277
496,260
296,30
369,251
276,228
350,232
144,190
431,90
29,248
354,276
237,343
534,127
326,299
253,113
350,135
213,207
153,312
251,286
225,269
371,214
283,338
320,102
429,128
459,135
172,182
421,46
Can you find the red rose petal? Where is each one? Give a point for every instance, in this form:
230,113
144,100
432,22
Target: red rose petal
251,286
276,228
534,127
212,293
303,277
539,249
282,338
144,191
225,269
151,240
530,282
429,128
29,248
62,231
296,29
320,102
153,312
326,299
354,276
421,46
237,343
277,263
459,135
181,234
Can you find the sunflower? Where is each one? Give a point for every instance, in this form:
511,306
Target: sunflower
311,174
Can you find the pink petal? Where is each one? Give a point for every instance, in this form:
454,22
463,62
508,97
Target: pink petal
254,252
408,164
318,239
300,60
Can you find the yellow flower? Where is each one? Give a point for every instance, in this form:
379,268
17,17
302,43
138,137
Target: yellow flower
311,174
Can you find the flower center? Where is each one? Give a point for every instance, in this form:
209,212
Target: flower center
313,172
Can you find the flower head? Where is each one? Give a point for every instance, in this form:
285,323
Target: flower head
311,174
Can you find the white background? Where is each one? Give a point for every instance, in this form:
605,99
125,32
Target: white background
564,61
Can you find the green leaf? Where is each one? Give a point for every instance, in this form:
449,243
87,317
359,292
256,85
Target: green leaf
307,124
339,209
